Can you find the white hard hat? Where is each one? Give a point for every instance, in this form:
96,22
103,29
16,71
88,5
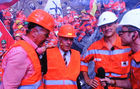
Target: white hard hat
75,17
106,18
132,18
68,7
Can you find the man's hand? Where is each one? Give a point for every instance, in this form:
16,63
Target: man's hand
92,82
107,80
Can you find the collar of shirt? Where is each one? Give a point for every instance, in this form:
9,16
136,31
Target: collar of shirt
67,55
62,52
117,44
28,40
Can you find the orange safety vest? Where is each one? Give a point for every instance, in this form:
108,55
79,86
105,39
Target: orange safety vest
115,62
35,79
135,70
60,76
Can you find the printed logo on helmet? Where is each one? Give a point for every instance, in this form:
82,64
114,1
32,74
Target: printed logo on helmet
70,34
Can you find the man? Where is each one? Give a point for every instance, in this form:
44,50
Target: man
130,36
107,53
63,62
3,48
21,65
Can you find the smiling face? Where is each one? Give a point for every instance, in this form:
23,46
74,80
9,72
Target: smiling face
109,29
65,43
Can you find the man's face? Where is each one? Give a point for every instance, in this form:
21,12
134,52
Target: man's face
3,45
65,43
109,29
41,35
126,36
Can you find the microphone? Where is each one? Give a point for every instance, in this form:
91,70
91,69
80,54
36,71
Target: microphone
112,48
101,74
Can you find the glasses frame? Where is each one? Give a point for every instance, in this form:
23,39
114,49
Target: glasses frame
125,31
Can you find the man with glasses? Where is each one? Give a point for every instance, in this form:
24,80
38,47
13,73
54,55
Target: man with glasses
21,65
107,53
130,36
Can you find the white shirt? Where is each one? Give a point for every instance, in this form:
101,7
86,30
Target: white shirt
67,55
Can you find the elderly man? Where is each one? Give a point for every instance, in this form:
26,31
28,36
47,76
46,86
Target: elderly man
63,62
21,65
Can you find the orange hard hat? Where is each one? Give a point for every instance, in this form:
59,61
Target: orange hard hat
42,18
67,30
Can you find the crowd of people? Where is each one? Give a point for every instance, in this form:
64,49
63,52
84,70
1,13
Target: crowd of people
42,57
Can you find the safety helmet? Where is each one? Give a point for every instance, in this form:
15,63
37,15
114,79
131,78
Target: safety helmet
18,21
42,18
20,26
106,18
83,11
132,18
68,8
67,30
18,34
76,17
3,42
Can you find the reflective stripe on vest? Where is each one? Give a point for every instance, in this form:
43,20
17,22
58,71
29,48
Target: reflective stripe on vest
33,86
83,63
113,74
134,64
59,82
107,52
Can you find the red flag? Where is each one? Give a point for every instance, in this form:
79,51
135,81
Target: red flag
5,35
7,3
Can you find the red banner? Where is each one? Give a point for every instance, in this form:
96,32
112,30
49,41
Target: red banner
5,35
7,4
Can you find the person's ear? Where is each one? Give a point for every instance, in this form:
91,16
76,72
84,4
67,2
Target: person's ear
135,35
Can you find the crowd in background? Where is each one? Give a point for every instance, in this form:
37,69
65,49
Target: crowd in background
84,23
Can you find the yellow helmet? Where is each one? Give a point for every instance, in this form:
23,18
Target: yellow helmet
20,26
17,21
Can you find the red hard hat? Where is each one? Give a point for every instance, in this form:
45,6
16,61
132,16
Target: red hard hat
41,18
67,31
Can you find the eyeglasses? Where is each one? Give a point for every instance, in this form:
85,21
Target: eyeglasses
122,32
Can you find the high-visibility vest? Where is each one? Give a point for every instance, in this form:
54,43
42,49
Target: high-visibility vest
135,70
34,81
116,62
60,76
